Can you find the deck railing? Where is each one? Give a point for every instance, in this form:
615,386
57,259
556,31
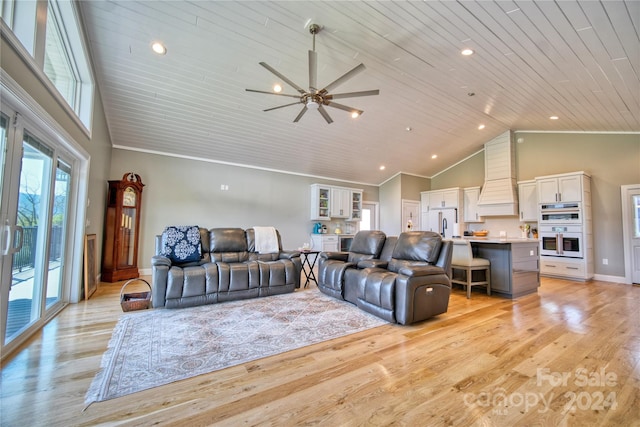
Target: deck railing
26,257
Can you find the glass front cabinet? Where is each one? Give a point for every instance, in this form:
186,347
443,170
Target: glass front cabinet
122,229
356,206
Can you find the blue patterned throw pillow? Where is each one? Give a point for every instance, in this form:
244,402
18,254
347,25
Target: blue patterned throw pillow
181,243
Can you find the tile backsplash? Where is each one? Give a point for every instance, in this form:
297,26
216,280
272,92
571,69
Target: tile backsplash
496,224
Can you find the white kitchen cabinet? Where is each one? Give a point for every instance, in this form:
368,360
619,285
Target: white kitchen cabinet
356,206
340,202
528,201
449,198
441,199
576,269
325,242
328,201
470,203
560,188
320,202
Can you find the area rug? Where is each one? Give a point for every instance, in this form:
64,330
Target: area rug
157,347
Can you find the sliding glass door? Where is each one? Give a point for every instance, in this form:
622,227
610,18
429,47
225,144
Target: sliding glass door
35,217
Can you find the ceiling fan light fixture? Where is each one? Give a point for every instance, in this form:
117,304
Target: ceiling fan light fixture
312,105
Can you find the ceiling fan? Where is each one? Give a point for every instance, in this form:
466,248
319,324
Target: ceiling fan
314,98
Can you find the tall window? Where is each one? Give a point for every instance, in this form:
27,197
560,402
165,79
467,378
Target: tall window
49,32
58,64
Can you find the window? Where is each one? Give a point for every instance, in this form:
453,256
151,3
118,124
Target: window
58,65
49,36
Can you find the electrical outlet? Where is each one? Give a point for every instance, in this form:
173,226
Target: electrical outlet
605,261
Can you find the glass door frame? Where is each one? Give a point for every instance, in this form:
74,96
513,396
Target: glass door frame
41,125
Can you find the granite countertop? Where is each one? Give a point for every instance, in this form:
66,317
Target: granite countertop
501,240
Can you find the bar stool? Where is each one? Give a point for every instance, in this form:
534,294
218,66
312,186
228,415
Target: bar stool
463,259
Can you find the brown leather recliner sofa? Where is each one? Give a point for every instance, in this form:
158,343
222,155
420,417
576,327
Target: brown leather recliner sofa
229,268
403,279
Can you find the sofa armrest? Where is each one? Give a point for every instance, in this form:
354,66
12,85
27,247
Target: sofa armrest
444,258
372,263
158,260
340,256
288,254
159,278
421,270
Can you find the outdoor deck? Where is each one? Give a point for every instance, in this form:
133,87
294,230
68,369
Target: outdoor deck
21,297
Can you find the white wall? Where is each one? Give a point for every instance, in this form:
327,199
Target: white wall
391,206
187,192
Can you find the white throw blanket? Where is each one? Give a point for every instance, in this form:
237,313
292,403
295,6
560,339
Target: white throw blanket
266,240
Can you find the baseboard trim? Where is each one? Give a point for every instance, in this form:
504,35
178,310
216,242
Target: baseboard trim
607,278
144,271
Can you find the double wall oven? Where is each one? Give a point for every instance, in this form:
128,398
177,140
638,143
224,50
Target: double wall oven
561,230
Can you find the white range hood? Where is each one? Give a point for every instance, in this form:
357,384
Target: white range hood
498,195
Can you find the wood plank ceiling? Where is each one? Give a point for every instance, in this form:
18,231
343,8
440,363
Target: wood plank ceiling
578,60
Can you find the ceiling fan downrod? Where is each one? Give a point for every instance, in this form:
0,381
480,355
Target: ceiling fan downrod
314,29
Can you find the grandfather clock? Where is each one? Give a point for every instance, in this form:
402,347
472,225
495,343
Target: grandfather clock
122,229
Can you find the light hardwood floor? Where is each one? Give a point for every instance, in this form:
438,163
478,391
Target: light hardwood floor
489,361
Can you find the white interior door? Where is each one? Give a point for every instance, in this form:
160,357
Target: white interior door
631,231
410,215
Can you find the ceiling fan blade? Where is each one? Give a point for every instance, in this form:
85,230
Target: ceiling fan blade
346,76
324,114
353,94
272,93
284,79
313,71
299,116
345,108
282,106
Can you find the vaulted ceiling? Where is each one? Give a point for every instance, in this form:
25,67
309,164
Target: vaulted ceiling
577,60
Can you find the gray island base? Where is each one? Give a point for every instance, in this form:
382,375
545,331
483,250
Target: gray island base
515,266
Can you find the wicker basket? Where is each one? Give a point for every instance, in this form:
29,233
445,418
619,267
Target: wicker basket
135,300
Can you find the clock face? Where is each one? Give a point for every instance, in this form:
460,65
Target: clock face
129,197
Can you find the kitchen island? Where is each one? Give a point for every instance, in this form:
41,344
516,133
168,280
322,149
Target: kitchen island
515,263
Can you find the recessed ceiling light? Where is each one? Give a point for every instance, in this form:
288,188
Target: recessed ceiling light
277,88
466,52
355,115
554,117
383,167
480,127
408,129
434,156
159,48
